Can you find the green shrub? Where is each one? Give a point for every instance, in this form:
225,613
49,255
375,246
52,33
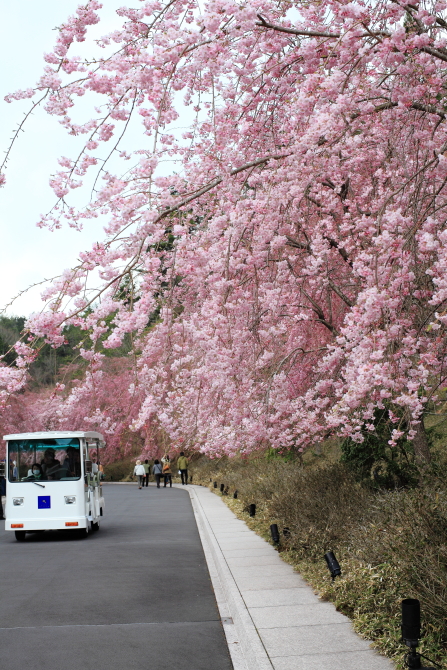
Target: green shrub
120,470
375,460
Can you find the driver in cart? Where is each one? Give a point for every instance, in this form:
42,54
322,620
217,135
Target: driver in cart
51,467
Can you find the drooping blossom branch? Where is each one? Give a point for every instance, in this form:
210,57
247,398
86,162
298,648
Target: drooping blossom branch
287,277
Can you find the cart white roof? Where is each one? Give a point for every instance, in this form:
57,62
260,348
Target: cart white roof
55,434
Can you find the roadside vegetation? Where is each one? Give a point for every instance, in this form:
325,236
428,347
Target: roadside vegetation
120,471
390,538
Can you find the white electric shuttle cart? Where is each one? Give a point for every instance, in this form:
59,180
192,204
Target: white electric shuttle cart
53,482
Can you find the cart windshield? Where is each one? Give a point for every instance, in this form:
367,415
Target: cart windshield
55,459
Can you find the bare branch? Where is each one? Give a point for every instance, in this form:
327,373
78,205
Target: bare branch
312,33
292,31
434,52
340,294
291,242
315,306
23,291
341,250
20,128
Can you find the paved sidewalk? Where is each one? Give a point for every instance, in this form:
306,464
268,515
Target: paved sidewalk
271,616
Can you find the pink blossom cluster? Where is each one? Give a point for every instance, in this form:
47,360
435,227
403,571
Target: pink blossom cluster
289,276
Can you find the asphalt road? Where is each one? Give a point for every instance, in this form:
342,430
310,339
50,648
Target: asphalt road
136,594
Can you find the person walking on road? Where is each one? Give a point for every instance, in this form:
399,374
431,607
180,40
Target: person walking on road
95,467
2,493
157,471
147,471
182,464
139,472
167,473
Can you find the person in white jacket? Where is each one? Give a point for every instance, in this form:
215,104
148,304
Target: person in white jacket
139,472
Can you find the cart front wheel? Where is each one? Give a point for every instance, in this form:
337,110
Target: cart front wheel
20,535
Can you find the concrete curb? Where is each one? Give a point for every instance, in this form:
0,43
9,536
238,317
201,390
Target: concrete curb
246,648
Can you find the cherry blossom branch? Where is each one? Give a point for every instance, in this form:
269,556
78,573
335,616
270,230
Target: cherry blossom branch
163,215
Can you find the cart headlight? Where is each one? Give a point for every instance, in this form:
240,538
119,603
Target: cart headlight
70,500
17,501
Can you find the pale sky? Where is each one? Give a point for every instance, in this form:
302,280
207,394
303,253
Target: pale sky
29,254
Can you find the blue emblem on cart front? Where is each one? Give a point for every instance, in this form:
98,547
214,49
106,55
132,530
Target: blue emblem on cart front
44,502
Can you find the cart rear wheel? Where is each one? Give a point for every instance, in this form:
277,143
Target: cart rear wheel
20,535
95,526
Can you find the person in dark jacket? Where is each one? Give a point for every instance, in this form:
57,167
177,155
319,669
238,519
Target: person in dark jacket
157,472
147,472
182,464
2,493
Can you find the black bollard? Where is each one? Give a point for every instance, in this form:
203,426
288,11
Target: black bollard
332,564
190,480
411,632
215,485
274,532
235,495
411,621
252,509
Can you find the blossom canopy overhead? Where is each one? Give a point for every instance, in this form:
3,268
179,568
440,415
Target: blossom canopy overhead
273,176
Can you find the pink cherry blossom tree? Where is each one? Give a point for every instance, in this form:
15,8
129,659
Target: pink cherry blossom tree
287,276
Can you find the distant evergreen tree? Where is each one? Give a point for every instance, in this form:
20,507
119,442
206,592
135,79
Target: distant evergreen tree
10,331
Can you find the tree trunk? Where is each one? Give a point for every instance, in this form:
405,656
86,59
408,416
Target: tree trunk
421,449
